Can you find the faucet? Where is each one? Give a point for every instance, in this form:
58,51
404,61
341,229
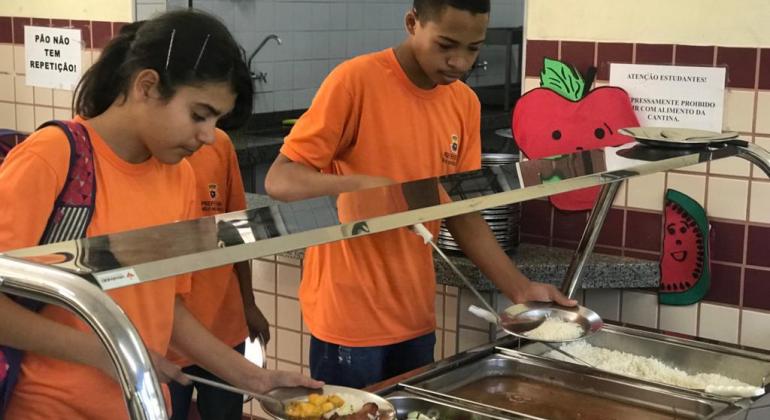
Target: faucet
261,75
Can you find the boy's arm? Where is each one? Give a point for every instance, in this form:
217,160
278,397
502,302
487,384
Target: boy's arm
474,237
290,181
196,342
255,320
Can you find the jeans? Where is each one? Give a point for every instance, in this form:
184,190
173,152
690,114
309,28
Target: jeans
213,403
359,367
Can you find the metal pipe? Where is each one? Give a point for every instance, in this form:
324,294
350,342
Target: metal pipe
259,48
137,378
590,235
756,155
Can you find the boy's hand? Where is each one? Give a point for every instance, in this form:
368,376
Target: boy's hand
257,323
540,292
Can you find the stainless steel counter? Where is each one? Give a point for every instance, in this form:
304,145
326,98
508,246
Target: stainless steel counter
511,379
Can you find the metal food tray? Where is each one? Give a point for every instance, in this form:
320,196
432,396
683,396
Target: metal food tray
571,379
691,356
405,403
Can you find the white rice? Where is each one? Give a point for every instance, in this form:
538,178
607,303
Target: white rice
647,368
555,329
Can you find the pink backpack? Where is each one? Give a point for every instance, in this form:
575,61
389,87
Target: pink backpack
69,220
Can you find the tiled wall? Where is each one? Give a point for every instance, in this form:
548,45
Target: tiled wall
735,195
23,107
318,35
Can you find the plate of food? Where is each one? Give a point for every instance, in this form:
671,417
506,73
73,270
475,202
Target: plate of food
330,403
551,322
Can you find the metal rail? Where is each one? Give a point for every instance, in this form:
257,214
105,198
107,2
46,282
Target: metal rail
125,259
141,389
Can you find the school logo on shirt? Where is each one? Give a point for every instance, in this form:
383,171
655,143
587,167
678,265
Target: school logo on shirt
214,204
450,157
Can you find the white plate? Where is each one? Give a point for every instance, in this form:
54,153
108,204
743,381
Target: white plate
385,411
677,137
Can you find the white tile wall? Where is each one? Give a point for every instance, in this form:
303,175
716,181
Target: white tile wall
679,319
755,329
263,275
288,314
322,30
605,302
739,104
640,308
692,185
760,202
288,280
764,142
763,110
727,198
719,322
470,338
646,192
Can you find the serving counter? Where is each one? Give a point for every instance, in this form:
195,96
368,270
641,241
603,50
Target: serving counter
74,274
513,379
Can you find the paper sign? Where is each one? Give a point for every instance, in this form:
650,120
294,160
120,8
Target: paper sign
53,57
673,96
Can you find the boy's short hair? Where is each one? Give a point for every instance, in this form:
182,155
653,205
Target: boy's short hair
430,9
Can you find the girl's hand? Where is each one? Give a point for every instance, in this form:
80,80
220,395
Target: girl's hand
262,380
166,370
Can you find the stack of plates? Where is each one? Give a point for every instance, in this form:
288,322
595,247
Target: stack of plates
502,220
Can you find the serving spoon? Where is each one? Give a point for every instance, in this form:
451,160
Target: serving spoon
276,406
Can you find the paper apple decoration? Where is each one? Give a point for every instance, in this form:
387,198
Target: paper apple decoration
561,117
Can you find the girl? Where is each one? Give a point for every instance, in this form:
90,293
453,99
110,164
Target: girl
153,98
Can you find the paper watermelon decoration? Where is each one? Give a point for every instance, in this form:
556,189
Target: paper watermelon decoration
685,275
563,116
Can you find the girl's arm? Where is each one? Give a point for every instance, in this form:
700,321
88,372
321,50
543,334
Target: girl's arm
29,331
192,339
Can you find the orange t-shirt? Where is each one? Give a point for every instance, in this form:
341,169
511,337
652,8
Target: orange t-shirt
368,118
128,196
215,299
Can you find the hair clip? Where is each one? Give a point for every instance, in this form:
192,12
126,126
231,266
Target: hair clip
203,48
170,45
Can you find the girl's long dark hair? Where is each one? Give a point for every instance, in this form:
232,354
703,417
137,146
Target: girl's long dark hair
185,47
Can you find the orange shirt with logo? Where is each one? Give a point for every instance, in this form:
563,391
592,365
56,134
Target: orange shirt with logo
368,118
215,299
128,196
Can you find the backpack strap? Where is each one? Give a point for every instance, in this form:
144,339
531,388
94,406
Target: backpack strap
69,220
74,206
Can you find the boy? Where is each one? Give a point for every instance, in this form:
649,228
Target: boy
391,116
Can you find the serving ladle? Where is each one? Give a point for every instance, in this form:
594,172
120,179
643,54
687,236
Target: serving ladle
513,326
516,326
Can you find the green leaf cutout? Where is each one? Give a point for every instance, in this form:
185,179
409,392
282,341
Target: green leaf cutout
562,79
